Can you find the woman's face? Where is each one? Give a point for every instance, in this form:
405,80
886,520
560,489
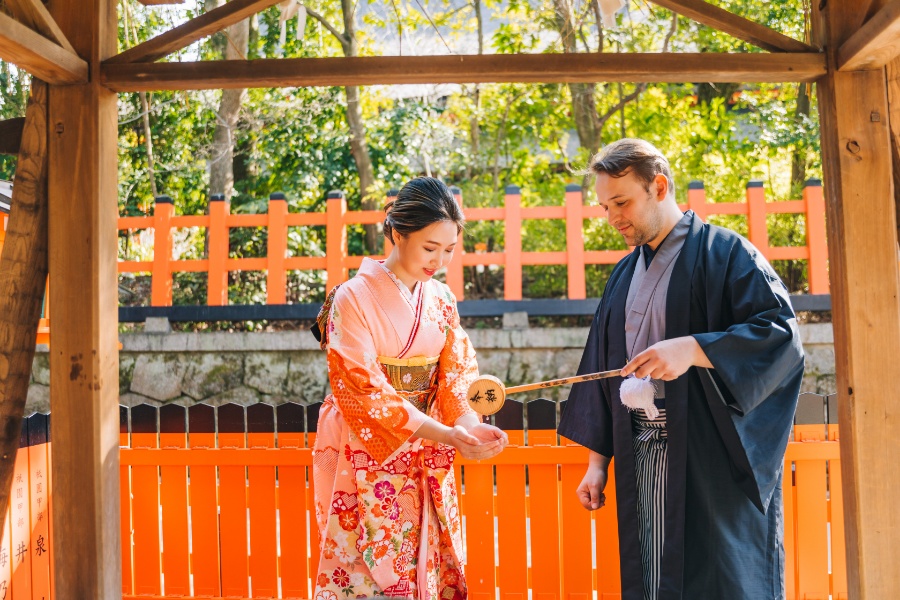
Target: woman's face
418,256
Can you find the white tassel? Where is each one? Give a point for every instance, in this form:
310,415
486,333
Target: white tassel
639,393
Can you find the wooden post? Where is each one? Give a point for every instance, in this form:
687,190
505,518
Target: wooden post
865,291
756,215
276,276
84,362
697,198
575,243
217,282
455,268
161,282
23,274
335,240
512,244
816,241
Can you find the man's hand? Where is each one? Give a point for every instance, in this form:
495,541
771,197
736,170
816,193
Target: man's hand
590,491
668,359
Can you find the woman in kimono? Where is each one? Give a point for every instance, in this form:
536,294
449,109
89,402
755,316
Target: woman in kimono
399,366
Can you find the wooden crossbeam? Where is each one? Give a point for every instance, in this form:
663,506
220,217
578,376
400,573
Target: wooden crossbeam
523,68
38,55
734,25
875,44
197,28
34,14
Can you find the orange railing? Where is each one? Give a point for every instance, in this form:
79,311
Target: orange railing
337,262
236,518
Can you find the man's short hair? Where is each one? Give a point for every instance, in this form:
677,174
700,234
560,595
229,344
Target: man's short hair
630,155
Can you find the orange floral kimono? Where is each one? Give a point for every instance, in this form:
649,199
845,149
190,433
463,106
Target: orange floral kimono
386,501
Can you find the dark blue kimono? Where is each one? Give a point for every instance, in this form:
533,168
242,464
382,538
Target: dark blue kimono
728,427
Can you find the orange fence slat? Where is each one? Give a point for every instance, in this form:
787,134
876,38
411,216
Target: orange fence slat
609,581
135,223
217,243
812,533
483,258
758,231
785,252
485,214
543,495
276,276
292,507
786,207
836,517
161,283
204,521
41,563
542,258
604,257
189,266
512,245
20,509
815,238
575,242
305,219
261,504
235,221
362,217
304,263
455,268
479,492
6,553
174,502
233,513
335,240
697,198
125,507
246,264
315,541
575,545
145,520
512,578
790,532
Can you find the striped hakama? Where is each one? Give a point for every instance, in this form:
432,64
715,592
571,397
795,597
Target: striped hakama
650,465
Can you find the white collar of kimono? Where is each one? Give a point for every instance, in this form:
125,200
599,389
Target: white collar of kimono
405,291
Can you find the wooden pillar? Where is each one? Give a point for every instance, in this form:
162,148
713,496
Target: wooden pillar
865,288
84,365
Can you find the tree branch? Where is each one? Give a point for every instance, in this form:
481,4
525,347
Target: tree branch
341,38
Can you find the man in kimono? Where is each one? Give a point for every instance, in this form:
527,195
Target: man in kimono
697,309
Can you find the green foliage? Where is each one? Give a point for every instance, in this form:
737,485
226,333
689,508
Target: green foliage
297,140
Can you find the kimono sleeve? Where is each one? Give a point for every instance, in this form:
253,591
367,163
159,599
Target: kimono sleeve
457,370
586,418
381,419
760,351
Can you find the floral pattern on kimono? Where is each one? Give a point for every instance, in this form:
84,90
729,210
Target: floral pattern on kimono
386,501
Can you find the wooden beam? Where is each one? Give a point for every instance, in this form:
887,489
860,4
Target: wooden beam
39,56
865,284
23,271
734,25
892,72
84,363
539,68
875,44
35,15
197,28
11,135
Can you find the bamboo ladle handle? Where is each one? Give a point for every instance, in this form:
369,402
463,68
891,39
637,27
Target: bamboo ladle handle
487,393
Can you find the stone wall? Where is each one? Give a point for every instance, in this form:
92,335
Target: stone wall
246,368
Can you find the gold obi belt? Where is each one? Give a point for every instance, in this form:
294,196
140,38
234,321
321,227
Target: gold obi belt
414,378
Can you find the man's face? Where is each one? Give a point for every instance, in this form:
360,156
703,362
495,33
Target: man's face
632,207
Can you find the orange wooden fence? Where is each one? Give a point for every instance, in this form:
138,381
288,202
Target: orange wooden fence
25,546
250,533
337,262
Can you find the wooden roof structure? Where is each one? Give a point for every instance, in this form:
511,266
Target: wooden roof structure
66,188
